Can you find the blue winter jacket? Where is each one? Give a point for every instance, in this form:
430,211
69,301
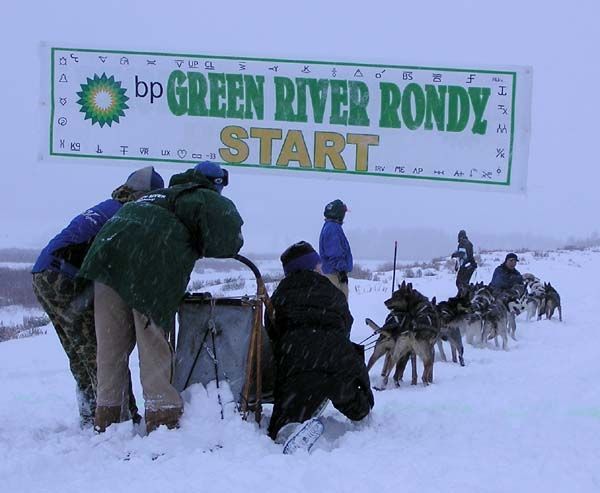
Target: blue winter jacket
80,231
504,278
334,248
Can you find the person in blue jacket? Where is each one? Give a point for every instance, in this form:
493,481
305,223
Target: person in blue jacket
69,302
334,249
506,276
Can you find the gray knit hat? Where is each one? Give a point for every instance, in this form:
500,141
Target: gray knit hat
145,180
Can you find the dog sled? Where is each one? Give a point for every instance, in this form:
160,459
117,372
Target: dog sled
224,339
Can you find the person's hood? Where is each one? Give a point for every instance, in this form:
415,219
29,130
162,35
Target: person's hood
191,176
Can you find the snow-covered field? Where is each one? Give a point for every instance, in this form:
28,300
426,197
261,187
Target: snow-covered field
522,420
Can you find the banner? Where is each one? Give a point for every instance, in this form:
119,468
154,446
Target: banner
445,126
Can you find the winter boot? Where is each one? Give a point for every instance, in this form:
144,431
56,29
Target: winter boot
86,422
169,417
86,402
304,437
106,416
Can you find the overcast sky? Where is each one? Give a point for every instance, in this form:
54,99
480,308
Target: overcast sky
559,40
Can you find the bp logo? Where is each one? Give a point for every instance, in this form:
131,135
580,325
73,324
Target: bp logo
103,100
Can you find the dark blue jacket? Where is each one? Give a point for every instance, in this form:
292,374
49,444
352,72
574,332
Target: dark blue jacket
505,278
334,248
77,236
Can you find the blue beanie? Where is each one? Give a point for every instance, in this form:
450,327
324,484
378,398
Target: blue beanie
300,256
217,175
145,180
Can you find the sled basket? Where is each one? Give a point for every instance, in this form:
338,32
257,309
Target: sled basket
218,339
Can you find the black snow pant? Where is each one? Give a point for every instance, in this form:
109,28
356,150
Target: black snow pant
300,396
464,276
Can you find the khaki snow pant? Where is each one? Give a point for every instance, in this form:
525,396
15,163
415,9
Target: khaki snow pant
118,328
342,286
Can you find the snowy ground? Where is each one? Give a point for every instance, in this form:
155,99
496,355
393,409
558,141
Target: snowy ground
523,420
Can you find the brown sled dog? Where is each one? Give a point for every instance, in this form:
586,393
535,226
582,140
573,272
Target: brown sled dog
410,329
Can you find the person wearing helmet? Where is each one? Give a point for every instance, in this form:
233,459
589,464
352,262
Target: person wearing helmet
334,248
69,304
141,264
466,264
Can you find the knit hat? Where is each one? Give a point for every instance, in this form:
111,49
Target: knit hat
335,210
462,234
145,180
300,256
511,256
217,175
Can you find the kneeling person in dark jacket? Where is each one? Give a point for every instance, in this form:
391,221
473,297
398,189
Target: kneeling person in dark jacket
314,358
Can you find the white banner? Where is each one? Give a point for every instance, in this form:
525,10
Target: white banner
445,126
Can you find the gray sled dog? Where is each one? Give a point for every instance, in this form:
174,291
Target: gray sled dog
454,317
471,326
550,303
535,295
492,314
411,328
515,302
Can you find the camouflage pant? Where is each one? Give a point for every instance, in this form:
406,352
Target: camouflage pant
70,307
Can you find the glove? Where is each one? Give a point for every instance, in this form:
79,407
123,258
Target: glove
343,277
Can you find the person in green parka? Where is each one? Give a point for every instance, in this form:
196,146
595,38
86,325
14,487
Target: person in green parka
140,263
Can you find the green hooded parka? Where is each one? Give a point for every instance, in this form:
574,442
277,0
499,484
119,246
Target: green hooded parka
146,252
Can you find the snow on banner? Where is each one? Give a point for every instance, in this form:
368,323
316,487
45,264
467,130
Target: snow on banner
439,125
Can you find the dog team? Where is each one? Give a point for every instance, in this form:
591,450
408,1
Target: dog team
415,325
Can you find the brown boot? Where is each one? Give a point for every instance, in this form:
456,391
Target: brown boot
168,416
106,416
